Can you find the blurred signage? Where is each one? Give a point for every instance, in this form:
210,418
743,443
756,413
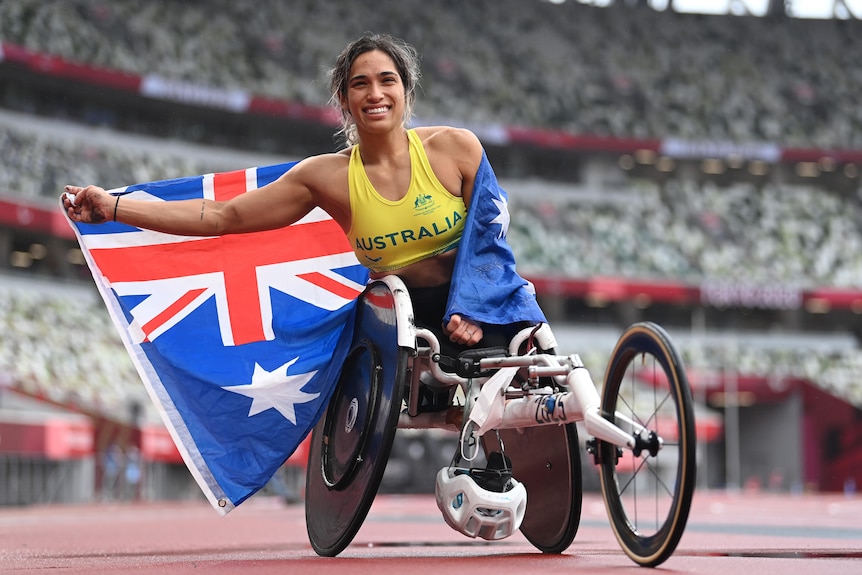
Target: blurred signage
158,445
24,216
52,439
731,294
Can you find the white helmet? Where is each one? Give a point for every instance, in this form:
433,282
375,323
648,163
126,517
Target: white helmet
478,512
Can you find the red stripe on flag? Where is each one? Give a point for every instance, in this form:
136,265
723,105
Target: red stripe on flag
229,184
243,301
170,312
331,285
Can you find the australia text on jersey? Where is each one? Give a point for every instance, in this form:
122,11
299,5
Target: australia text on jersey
404,236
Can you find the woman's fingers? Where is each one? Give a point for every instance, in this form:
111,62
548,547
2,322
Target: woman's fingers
82,204
464,331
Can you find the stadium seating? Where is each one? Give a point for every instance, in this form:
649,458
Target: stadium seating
606,71
58,343
786,234
38,166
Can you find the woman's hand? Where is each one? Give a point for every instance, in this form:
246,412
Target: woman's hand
90,205
463,331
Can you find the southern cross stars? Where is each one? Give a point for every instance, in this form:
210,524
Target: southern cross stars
275,389
502,218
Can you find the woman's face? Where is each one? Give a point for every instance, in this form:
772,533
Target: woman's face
375,93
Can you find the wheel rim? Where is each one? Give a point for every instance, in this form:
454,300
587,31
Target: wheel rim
648,496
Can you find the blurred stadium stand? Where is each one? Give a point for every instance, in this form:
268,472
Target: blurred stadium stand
697,171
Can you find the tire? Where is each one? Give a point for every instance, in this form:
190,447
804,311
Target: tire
351,443
648,496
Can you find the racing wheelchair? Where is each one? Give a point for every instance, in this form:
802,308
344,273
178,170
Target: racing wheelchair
517,464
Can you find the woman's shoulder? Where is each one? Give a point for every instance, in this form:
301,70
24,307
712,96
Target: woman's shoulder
323,173
446,134
454,142
325,177
323,165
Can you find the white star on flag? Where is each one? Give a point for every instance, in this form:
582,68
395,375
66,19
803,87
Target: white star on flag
502,218
275,389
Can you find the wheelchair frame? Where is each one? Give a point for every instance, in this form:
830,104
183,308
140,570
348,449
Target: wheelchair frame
553,392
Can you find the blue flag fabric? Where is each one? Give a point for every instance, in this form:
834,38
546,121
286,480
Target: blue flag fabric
485,285
238,339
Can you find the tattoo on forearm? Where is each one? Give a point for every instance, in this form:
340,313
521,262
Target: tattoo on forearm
203,203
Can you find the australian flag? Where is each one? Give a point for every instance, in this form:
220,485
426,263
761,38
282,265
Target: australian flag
237,338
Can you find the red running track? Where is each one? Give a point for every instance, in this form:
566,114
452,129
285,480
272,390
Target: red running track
727,534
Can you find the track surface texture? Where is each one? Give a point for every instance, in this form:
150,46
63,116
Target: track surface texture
727,533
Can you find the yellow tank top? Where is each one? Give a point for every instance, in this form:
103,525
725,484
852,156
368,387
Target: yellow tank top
388,235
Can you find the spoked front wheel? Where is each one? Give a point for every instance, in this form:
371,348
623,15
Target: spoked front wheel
648,490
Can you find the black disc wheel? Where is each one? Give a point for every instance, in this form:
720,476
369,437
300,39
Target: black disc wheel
648,490
350,445
546,459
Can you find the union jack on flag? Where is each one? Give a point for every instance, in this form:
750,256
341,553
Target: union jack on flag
238,339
